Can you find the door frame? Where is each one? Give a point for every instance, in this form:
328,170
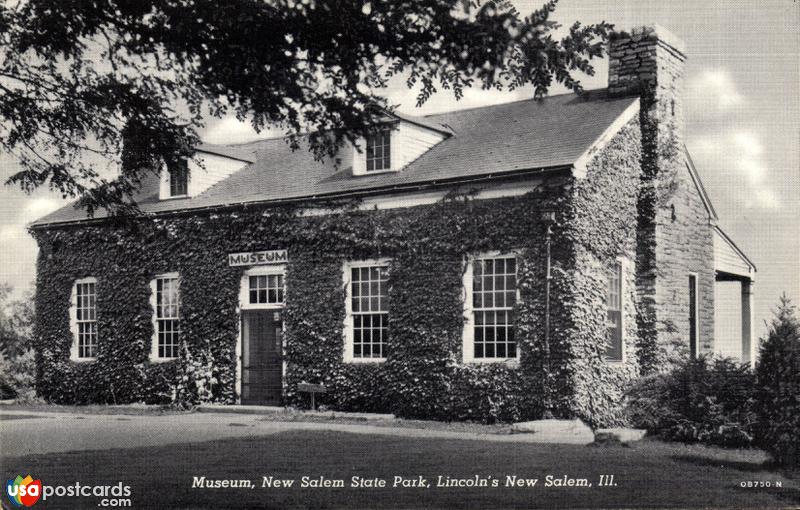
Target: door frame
244,304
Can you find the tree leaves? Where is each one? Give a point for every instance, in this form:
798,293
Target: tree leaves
77,78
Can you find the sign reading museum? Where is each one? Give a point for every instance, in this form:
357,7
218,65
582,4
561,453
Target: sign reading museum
254,258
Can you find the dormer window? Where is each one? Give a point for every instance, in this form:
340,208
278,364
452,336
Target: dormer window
378,151
391,145
179,180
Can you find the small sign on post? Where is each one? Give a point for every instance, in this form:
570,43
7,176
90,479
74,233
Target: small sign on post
313,389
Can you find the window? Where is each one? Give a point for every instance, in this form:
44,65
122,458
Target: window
179,180
378,151
263,287
614,313
266,289
84,317
492,294
367,319
693,347
166,317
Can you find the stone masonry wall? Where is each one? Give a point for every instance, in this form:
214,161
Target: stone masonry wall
683,246
673,236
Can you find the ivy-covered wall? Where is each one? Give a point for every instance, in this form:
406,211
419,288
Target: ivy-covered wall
423,376
675,233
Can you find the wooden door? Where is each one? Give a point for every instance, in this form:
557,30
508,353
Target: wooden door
262,357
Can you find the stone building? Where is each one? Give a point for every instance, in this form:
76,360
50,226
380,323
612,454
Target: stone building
491,263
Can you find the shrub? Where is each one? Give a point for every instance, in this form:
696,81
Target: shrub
17,376
708,400
7,390
778,387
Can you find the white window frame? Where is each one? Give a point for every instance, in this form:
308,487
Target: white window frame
244,287
468,335
165,188
73,319
360,155
154,357
348,319
623,268
383,131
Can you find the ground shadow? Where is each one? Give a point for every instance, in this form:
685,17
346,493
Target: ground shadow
739,465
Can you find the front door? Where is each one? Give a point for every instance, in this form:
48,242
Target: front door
262,357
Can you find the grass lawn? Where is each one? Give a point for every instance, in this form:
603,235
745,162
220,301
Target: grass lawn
288,414
18,416
132,409
648,474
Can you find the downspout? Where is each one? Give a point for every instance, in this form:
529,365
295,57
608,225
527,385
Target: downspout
549,219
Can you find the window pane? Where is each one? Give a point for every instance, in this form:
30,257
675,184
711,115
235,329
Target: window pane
369,291
378,151
614,315
494,296
501,350
168,313
86,317
179,179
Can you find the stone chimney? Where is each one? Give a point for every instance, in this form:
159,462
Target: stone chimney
649,61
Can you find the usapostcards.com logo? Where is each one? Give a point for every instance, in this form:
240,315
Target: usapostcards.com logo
24,491
27,491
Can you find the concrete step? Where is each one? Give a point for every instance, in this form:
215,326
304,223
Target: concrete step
555,431
619,435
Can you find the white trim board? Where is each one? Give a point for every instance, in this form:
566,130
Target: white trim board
486,191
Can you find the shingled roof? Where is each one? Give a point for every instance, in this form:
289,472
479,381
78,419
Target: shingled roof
523,135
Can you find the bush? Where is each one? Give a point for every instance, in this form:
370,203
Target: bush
707,400
778,387
17,376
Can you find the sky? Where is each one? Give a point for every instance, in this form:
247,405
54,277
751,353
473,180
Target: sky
742,107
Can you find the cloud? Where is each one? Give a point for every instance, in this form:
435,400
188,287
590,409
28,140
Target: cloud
748,143
9,233
17,248
39,207
231,130
762,198
475,97
740,155
714,91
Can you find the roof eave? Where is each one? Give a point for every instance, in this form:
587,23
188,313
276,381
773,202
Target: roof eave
738,251
712,213
416,122
412,187
223,155
581,165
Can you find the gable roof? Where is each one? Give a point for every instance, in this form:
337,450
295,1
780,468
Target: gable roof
491,141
